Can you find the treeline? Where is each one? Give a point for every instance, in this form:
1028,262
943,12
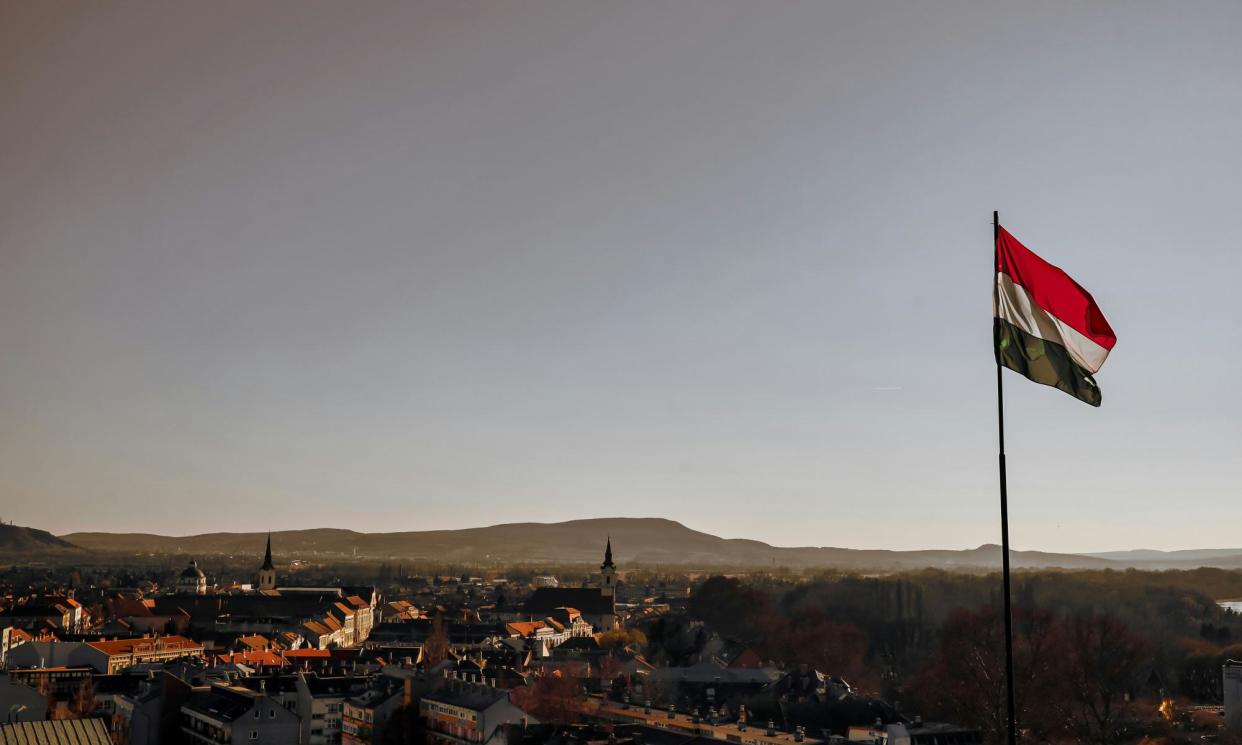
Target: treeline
900,635
1083,677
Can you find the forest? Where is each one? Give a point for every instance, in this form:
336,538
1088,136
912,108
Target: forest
1096,652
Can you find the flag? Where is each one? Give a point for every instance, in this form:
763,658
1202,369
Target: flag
1045,325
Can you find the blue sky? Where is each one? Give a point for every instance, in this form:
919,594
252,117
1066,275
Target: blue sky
459,263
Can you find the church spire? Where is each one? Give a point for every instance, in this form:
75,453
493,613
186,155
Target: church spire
267,557
607,556
267,572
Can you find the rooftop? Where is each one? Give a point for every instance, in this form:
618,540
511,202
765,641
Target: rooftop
222,703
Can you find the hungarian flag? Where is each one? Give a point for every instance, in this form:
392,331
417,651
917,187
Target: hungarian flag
1046,326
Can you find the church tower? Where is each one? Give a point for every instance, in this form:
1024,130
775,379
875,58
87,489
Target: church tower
267,572
608,573
192,580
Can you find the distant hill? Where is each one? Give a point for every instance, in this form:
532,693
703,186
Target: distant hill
635,540
15,539
1143,558
1147,554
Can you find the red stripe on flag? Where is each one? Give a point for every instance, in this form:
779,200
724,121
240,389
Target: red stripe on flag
1053,290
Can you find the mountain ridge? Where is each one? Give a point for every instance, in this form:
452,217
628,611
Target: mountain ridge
635,541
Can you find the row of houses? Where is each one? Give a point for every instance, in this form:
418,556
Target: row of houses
107,656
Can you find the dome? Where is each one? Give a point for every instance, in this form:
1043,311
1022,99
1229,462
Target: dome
193,572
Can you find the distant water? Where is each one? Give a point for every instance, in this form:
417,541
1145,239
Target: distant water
1233,605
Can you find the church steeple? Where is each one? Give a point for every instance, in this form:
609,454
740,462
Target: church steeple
267,572
608,556
608,572
267,557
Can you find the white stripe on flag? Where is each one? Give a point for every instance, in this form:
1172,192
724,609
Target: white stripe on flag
1012,303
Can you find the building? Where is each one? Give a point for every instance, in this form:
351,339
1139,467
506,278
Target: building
59,680
112,657
468,711
364,617
598,605
544,635
1232,672
321,705
346,624
267,572
21,702
322,616
107,657
150,712
365,715
917,732
67,731
53,613
192,581
232,714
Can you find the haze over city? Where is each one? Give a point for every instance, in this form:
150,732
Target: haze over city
728,263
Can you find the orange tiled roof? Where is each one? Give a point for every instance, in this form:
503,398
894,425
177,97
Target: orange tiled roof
148,645
286,639
254,641
524,628
253,658
306,654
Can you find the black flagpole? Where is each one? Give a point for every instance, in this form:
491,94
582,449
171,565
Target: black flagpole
1004,508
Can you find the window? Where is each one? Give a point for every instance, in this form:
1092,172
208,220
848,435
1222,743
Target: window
254,734
271,713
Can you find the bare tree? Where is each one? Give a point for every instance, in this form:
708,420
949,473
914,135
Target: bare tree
966,680
1101,664
436,647
554,698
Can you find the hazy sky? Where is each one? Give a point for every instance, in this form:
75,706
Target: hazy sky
398,266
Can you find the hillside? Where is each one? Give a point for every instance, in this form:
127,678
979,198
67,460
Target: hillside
15,539
635,540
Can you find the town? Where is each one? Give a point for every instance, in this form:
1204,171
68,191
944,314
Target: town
568,372
206,655
186,658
